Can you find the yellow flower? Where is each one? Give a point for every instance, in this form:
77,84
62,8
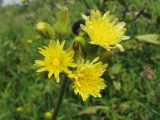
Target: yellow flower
104,30
56,60
88,79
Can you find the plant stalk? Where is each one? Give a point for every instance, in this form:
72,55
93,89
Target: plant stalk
59,99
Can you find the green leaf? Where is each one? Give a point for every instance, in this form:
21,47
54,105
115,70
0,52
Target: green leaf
150,38
92,110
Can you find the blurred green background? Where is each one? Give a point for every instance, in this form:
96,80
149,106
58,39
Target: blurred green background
133,76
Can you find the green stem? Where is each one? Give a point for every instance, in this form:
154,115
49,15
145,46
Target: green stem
59,99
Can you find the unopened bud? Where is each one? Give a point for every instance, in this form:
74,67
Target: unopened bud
44,29
29,41
19,109
62,27
80,40
23,1
47,115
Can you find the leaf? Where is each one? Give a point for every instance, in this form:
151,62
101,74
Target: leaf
92,110
150,38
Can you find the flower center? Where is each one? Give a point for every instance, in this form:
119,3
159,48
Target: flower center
84,74
56,63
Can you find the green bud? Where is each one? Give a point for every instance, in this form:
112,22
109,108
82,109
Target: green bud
62,26
81,40
19,109
23,1
44,29
47,115
29,41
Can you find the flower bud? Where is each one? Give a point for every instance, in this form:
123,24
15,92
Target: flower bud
44,29
29,41
19,109
62,27
47,115
81,40
23,1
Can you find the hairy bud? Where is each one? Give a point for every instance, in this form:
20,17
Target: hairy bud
44,30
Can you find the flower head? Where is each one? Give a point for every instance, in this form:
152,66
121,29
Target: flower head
88,79
104,30
56,60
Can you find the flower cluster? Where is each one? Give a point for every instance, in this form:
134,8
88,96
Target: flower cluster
104,31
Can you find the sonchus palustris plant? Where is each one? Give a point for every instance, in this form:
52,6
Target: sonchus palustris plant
83,68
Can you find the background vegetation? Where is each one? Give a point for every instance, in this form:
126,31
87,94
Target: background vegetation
133,76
